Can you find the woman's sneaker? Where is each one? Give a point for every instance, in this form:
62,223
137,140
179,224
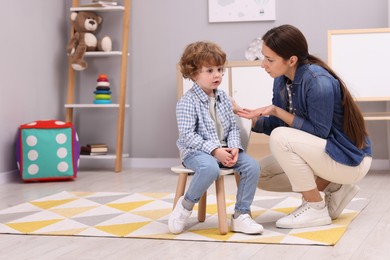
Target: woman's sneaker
337,200
305,216
178,218
245,224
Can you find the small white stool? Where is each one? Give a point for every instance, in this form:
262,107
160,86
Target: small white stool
220,194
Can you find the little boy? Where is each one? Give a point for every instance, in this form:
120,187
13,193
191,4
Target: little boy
209,138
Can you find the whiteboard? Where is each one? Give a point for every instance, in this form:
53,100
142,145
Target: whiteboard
362,59
252,86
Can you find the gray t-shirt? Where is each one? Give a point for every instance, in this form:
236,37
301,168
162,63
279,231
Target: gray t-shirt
218,125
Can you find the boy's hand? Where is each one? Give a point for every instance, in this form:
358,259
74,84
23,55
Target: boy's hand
226,156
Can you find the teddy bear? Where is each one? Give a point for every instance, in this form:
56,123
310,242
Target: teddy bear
85,25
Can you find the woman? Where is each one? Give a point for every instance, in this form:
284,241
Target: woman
317,133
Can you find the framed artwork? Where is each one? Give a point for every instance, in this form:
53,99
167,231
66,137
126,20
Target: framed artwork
241,10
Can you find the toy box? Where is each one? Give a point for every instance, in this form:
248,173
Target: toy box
47,150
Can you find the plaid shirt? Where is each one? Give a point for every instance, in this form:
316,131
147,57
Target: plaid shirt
197,131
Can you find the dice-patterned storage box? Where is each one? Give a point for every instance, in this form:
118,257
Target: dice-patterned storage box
47,150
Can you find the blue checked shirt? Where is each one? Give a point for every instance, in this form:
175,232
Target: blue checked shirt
197,131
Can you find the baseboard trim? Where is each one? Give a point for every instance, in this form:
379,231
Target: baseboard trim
380,165
377,164
130,163
7,177
150,162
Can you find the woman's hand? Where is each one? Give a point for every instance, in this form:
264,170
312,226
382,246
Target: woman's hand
266,111
270,110
236,107
254,113
247,113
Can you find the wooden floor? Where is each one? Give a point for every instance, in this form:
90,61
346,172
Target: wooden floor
366,238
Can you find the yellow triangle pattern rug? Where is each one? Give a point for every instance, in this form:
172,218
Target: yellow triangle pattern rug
145,215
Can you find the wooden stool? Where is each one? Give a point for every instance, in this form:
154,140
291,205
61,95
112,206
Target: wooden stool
220,194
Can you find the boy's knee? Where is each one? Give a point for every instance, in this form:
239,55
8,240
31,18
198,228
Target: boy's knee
211,170
255,166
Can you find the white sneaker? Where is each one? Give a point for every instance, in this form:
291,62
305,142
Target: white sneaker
245,224
339,199
305,216
178,218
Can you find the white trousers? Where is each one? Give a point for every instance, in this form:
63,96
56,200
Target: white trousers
298,158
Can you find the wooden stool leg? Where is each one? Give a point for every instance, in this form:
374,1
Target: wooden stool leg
237,177
181,186
221,205
202,208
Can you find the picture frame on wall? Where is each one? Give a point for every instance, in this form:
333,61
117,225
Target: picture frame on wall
241,10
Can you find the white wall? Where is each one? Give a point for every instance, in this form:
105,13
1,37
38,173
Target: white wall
32,68
161,29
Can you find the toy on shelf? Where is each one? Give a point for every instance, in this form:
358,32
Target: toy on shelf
85,24
94,149
102,92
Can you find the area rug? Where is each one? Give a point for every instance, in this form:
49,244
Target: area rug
145,215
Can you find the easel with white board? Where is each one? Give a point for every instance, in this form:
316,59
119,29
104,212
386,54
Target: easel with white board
361,57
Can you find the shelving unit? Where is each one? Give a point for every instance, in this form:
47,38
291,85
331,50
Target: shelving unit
121,106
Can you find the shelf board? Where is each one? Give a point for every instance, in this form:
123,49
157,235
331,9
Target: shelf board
93,105
376,116
105,156
97,9
102,53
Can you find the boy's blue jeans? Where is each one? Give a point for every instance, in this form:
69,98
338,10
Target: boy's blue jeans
206,170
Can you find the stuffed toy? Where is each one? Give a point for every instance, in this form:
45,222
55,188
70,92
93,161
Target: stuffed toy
85,25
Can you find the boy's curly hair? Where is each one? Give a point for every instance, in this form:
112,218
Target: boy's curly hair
199,54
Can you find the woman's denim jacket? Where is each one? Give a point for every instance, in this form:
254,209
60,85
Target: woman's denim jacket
317,105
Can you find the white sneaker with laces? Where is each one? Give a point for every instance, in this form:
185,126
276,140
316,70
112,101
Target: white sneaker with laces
245,224
305,216
339,199
178,218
